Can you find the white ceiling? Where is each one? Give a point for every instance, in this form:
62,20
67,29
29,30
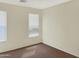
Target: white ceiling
39,4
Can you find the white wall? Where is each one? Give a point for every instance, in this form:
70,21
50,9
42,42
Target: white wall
18,27
61,27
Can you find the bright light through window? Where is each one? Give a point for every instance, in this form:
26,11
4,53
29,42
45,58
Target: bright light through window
3,26
33,25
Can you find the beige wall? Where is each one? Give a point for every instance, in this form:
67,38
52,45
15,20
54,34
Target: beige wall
61,27
18,27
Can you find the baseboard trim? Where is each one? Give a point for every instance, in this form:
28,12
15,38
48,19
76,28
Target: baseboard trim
59,50
37,44
20,48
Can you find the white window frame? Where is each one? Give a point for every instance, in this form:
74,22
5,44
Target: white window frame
5,15
38,18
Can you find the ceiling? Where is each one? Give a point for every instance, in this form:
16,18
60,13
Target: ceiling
39,4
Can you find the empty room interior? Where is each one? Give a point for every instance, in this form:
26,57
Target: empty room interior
39,28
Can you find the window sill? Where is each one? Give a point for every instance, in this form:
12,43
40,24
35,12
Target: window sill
33,35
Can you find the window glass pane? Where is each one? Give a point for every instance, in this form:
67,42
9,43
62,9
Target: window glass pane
3,26
33,25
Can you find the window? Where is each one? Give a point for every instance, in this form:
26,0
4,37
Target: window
33,25
3,26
